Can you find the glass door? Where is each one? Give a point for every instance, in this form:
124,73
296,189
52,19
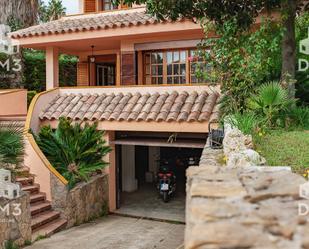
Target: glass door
106,75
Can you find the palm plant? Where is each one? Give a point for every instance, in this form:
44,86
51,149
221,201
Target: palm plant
11,145
270,102
75,151
53,11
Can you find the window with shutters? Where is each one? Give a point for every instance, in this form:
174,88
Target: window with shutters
107,5
180,66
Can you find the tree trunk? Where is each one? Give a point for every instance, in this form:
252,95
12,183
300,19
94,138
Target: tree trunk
289,47
17,14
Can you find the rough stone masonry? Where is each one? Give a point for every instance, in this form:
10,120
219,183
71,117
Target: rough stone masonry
252,207
15,221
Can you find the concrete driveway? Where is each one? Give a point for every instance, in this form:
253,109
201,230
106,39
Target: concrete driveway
118,233
147,203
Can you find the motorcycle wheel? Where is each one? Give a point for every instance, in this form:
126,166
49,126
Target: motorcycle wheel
165,196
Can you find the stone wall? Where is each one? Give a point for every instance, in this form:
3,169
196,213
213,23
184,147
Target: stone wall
84,202
15,227
241,205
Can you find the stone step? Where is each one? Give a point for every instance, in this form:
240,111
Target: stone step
23,169
43,218
40,207
32,189
25,181
37,197
49,228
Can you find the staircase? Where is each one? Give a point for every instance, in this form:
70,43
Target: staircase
45,221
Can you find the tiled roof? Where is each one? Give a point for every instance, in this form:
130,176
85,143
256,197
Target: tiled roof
88,22
174,106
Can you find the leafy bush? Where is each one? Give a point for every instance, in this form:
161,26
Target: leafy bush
11,145
242,61
246,122
298,117
75,151
30,96
35,71
270,103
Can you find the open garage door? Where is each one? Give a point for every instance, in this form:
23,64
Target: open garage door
139,160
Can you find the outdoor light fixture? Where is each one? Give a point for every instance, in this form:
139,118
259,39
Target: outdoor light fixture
216,136
92,57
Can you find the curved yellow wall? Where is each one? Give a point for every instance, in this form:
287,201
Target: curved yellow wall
34,158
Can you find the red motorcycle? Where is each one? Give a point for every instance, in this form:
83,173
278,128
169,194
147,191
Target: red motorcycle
166,181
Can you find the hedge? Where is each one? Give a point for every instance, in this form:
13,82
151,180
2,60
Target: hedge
35,74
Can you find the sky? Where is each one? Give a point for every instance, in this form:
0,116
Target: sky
71,6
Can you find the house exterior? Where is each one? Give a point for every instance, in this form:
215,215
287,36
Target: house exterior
136,77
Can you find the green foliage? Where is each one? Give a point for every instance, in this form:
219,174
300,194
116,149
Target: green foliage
53,11
28,242
242,61
11,145
75,151
270,103
217,11
246,122
298,117
285,148
35,71
15,24
30,96
10,245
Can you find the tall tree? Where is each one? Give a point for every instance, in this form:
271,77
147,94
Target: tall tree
288,70
244,11
53,11
17,14
23,11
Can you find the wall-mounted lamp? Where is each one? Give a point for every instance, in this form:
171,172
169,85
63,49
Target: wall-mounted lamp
92,57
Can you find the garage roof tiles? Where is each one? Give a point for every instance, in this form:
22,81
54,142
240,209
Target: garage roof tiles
149,107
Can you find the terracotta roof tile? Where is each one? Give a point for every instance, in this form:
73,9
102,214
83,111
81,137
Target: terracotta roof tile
164,107
89,22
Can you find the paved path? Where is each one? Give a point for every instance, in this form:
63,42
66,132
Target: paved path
147,203
115,232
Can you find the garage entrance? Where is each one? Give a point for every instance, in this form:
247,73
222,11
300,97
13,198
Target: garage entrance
139,157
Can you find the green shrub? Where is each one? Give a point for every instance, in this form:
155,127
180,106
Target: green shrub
10,245
270,103
75,151
246,122
11,145
298,117
35,70
30,96
242,61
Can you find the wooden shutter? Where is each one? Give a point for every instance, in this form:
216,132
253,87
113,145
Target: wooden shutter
128,74
82,74
89,6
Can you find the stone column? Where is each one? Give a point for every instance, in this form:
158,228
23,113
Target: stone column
129,183
52,67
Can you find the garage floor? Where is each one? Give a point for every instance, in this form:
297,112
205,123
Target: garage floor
147,203
115,232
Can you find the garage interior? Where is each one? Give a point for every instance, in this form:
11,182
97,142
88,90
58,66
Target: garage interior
138,158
